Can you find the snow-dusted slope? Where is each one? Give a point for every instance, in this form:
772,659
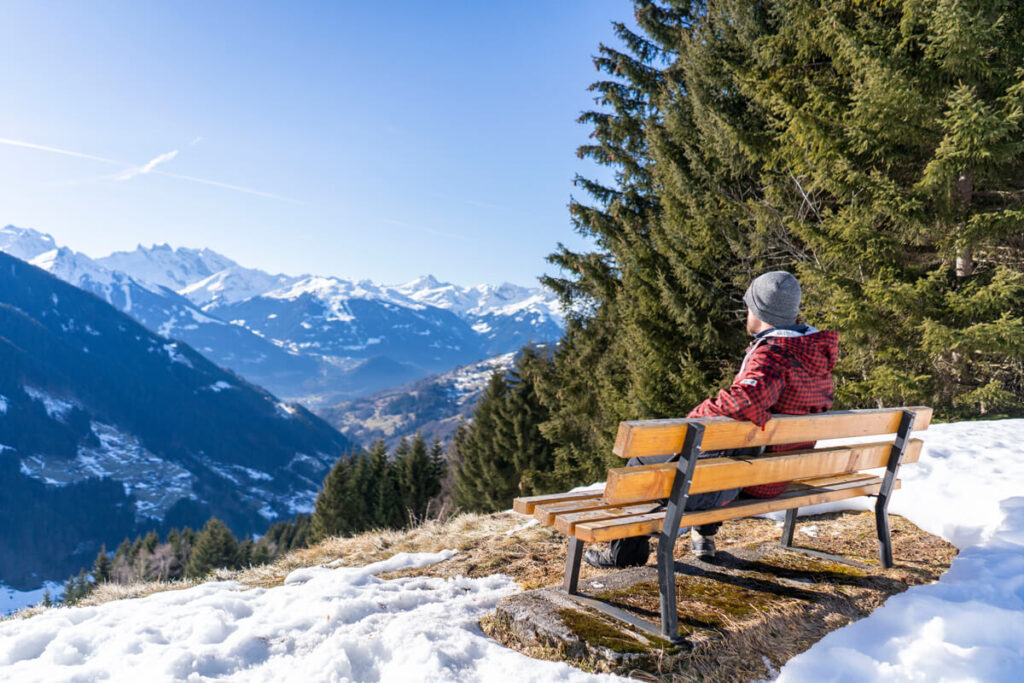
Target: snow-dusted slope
507,316
313,338
232,285
105,425
342,320
431,406
24,243
162,265
169,314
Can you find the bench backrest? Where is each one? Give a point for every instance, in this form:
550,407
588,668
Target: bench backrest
663,437
659,437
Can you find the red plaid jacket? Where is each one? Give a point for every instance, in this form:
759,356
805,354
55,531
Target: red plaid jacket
787,371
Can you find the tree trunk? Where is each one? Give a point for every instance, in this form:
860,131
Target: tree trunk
963,190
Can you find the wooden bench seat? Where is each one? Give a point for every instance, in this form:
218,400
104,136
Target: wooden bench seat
651,499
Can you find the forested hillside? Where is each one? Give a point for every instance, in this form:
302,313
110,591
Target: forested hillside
871,148
106,428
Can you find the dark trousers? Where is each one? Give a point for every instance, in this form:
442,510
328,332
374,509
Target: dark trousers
635,550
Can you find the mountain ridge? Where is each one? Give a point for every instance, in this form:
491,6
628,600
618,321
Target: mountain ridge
132,429
237,316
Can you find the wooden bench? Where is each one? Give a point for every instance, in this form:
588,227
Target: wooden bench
632,502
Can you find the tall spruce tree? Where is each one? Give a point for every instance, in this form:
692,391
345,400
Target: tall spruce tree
874,149
215,547
419,477
502,453
333,513
102,566
388,510
485,478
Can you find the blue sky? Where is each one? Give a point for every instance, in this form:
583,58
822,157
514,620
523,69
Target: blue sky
379,140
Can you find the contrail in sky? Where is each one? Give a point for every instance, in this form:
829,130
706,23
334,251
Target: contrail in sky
147,167
65,152
132,170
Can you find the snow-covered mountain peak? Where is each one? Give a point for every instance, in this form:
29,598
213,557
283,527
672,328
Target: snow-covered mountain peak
328,288
25,243
421,283
235,284
482,300
163,265
72,266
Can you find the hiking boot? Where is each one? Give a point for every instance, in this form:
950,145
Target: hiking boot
625,552
601,559
703,546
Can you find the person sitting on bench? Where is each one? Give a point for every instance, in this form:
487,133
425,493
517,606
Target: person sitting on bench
787,369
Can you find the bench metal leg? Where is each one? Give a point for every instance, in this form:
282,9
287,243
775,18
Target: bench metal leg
899,447
670,530
789,528
666,550
667,587
572,565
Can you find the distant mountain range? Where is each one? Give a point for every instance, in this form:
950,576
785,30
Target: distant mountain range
310,338
432,406
107,427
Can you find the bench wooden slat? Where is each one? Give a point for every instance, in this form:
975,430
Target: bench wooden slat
639,525
662,437
567,522
565,515
823,482
545,513
526,504
627,485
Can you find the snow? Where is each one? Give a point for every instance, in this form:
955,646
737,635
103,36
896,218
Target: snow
155,483
968,488
219,386
24,243
175,354
56,408
503,300
323,624
232,285
171,268
3,404
13,600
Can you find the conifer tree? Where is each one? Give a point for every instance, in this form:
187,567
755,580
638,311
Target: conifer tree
387,506
485,480
502,453
215,548
333,514
363,490
419,477
101,568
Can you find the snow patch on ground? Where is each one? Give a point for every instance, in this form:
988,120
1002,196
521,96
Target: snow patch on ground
56,408
324,624
175,355
968,488
3,404
155,484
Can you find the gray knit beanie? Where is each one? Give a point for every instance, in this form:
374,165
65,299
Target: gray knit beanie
774,298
